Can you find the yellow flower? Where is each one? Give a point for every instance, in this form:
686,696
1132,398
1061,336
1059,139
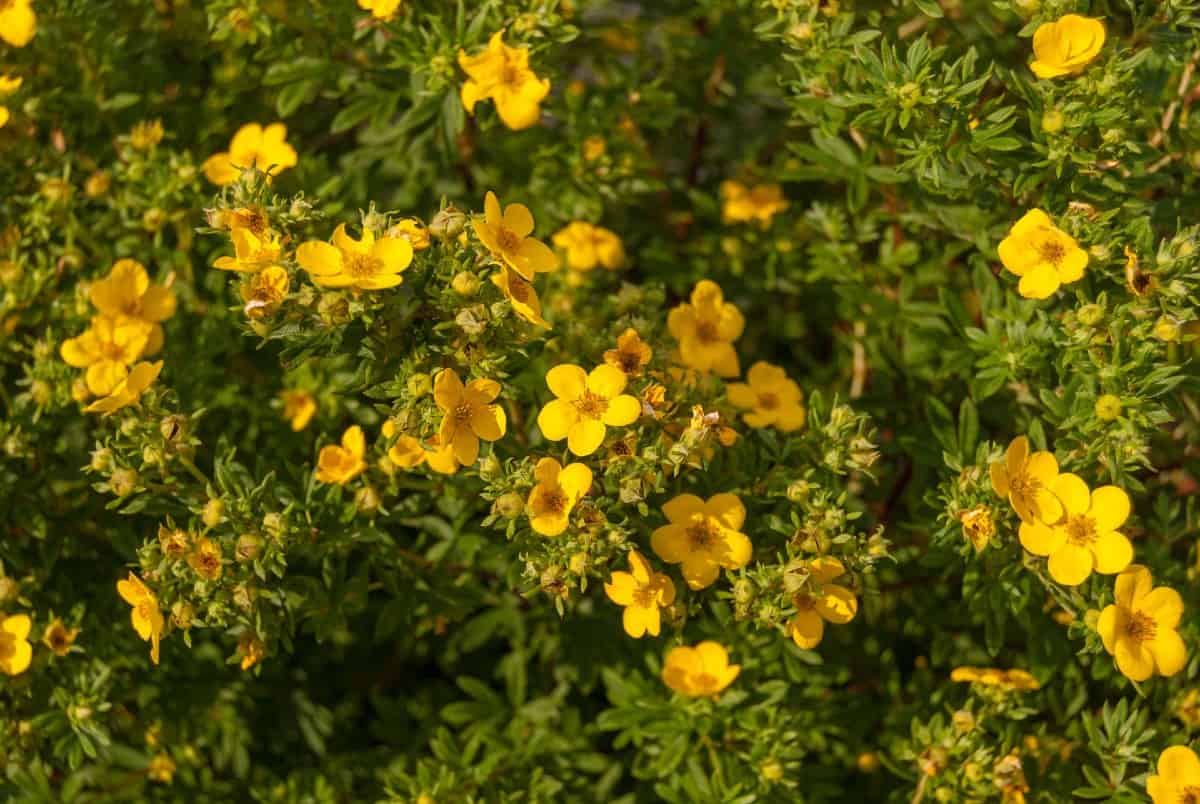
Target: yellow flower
642,592
252,650
15,651
1026,480
1014,680
741,204
381,9
407,452
521,296
205,559
1178,777
146,617
631,354
1139,629
298,408
441,459
58,639
557,491
701,671
1044,256
588,246
772,399
469,414
502,73
253,252
506,235
413,231
368,263
263,291
18,23
978,526
341,464
1086,539
106,350
820,602
706,329
8,85
252,146
128,291
129,390
703,536
146,134
253,218
1066,46
586,405
161,769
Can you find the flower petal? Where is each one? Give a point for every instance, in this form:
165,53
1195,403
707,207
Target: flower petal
585,437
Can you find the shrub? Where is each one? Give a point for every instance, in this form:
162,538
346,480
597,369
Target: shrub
781,400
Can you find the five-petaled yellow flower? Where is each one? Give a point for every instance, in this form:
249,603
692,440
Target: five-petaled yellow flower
1044,256
342,463
107,349
1178,777
58,639
586,406
381,9
205,558
506,235
18,23
298,408
706,329
253,251
1014,680
1066,46
469,414
521,295
742,204
252,146
146,617
406,452
8,85
631,355
771,398
1086,538
703,536
129,390
1027,481
821,601
15,651
502,74
368,264
588,246
702,671
1139,630
263,291
642,592
128,291
557,491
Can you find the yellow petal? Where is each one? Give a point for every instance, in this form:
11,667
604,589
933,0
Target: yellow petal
1170,655
1109,507
727,509
606,381
1113,552
1071,564
556,419
1072,492
567,381
585,437
682,507
1041,539
806,629
621,588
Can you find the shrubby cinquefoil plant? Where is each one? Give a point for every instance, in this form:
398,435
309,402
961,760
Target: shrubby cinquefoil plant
575,400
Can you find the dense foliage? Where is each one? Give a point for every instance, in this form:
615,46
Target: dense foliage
579,400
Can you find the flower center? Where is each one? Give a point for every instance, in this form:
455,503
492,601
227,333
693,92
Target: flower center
704,681
1081,530
646,597
58,639
8,642
554,501
630,362
1141,628
253,219
804,602
112,350
622,449
1190,795
1052,251
591,405
706,331
462,412
519,289
508,239
363,265
768,401
702,534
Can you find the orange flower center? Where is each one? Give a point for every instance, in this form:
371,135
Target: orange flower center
630,361
507,239
112,350
1052,251
519,289
1189,795
702,534
554,501
591,405
804,602
1140,627
704,681
363,265
57,639
510,75
253,219
646,596
8,642
768,400
1081,530
622,449
706,331
462,412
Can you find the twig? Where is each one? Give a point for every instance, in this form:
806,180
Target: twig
1169,115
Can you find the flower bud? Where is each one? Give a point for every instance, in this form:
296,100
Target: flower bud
333,309
273,524
448,224
963,720
173,428
123,482
213,513
465,283
248,547
578,563
40,392
80,391
1108,407
182,614
771,770
1090,315
244,595
743,592
1166,329
420,384
508,505
154,219
490,467
97,184
867,762
101,460
1053,121
367,501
